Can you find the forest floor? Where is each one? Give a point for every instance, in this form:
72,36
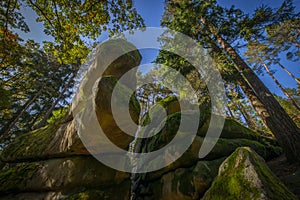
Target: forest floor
288,173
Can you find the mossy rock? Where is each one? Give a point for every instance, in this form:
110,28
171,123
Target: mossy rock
233,129
47,142
14,177
171,105
31,145
34,195
58,140
223,147
245,175
115,192
58,174
186,183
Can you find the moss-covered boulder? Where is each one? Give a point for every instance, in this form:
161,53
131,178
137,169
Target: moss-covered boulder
54,140
114,58
114,192
58,140
57,174
245,175
186,183
224,146
52,162
233,129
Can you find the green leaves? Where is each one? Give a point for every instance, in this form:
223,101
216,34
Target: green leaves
74,23
35,80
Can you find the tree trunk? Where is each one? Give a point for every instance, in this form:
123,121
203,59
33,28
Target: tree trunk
230,112
28,103
67,86
251,124
281,87
274,116
35,119
248,91
26,106
289,73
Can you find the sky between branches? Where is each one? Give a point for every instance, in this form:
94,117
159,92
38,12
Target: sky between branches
152,11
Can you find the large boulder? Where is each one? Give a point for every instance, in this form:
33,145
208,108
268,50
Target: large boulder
105,116
114,59
224,146
52,162
146,185
54,140
245,175
185,183
114,192
61,139
58,174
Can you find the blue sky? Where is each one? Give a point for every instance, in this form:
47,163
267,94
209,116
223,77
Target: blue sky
152,11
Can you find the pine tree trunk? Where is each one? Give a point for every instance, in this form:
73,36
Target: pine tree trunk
274,116
289,73
26,106
230,112
281,87
51,109
251,124
35,119
67,86
8,128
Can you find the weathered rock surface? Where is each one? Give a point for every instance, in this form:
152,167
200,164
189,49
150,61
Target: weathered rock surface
48,142
172,180
245,175
59,140
107,119
54,174
117,192
52,162
185,183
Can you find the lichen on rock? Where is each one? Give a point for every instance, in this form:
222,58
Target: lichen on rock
245,175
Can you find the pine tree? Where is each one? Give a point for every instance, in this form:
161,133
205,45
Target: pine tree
210,23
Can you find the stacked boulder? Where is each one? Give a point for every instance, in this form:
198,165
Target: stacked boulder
190,177
52,162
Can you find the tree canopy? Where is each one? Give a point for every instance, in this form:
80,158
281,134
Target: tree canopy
36,79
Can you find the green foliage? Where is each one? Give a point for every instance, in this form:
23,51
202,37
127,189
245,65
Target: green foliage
34,81
72,23
288,106
154,92
30,82
58,115
209,23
